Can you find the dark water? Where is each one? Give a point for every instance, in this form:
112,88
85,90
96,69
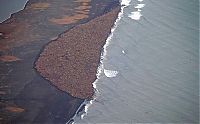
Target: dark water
7,7
155,50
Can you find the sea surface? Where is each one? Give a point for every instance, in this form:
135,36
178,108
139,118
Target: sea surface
7,7
150,66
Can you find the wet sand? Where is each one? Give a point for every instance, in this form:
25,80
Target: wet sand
71,61
26,97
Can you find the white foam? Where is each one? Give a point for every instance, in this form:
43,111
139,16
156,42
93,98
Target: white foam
139,6
125,2
82,116
110,73
135,15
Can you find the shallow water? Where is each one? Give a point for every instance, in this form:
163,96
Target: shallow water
7,7
154,53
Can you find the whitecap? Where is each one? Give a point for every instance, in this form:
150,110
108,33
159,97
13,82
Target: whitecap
110,73
125,2
139,6
135,15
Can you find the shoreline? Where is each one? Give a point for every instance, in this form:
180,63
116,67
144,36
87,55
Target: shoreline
87,103
47,63
36,100
11,12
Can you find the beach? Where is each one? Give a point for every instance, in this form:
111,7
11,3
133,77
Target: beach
75,56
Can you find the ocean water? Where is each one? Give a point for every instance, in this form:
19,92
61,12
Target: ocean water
150,66
7,7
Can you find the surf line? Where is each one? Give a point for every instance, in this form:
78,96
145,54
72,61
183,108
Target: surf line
87,103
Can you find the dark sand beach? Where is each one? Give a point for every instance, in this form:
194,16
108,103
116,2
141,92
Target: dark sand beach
25,96
71,61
